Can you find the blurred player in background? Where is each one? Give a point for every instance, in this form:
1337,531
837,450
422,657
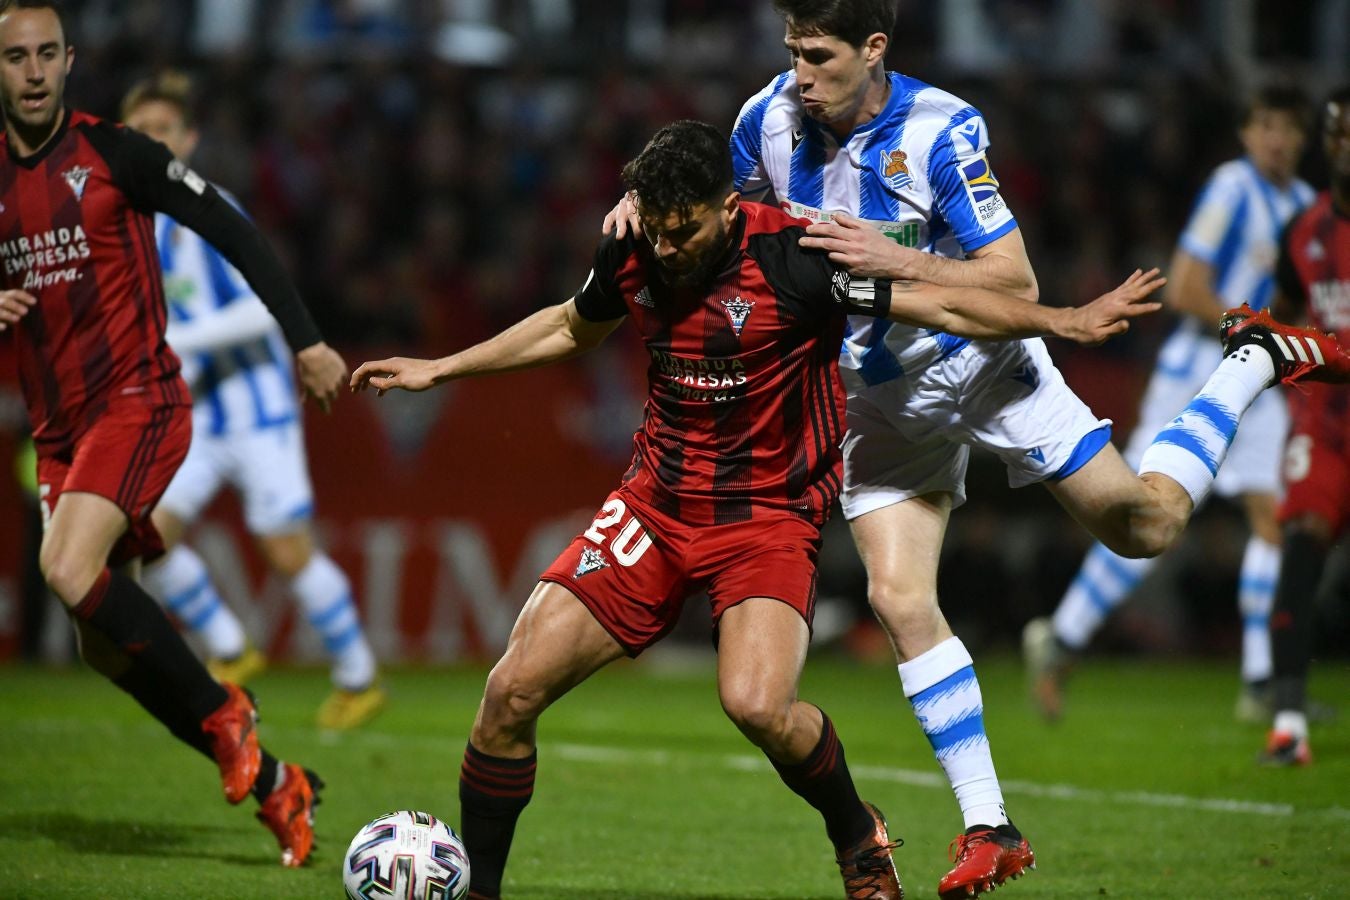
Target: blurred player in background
247,435
1314,284
83,295
1225,257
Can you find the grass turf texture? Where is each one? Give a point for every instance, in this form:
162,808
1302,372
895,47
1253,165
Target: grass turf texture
1147,789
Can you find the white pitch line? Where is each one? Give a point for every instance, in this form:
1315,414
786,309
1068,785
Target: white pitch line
591,753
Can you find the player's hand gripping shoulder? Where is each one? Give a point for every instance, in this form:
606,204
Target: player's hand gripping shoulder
322,373
1110,314
623,218
14,305
396,372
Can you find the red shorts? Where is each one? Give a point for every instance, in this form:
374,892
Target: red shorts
634,567
1317,456
128,456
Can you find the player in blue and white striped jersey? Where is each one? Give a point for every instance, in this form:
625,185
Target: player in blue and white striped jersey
1225,257
247,435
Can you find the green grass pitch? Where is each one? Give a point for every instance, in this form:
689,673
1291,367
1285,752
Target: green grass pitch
1146,790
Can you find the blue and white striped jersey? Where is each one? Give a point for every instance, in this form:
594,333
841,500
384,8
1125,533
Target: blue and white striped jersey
918,171
1236,227
239,383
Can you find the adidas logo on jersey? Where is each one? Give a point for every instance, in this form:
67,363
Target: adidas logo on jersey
644,298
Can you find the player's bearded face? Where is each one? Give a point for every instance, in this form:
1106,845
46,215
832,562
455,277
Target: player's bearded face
832,75
34,60
689,249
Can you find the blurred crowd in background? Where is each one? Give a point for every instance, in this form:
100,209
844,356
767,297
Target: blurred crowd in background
433,170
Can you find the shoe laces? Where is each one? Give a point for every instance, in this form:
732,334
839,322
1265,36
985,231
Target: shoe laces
964,844
870,867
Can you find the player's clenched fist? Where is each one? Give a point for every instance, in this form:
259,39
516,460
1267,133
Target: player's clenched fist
397,372
14,305
322,372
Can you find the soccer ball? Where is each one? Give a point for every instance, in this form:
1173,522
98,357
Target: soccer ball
406,854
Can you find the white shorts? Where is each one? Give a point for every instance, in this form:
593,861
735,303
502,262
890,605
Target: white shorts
911,436
1185,362
267,467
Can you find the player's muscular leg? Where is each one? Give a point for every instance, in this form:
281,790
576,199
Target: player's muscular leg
900,545
169,526
1135,516
555,645
287,554
1261,516
761,648
83,529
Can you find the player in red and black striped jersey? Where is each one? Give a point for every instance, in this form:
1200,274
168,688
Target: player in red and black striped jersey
82,294
1314,283
734,471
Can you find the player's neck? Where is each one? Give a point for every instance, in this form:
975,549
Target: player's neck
27,141
873,102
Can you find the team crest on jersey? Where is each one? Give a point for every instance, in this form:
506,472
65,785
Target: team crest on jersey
591,560
739,311
644,298
896,168
76,176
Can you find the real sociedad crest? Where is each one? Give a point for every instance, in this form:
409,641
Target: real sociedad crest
591,560
739,311
75,176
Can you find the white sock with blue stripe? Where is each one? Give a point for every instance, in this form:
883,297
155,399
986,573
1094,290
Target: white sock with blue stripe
1192,447
1256,599
325,595
181,583
1102,584
946,696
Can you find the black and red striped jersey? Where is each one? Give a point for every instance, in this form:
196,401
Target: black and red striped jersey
1314,266
77,232
745,410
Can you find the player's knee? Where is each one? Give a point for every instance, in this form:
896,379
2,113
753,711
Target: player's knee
511,702
287,555
69,575
902,607
759,716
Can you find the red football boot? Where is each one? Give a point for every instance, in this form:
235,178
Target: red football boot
985,858
1299,354
288,812
234,742
1283,749
868,870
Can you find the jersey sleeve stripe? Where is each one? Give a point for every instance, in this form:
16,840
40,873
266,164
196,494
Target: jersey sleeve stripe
747,137
806,173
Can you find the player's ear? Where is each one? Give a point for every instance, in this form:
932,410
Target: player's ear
875,49
70,58
732,204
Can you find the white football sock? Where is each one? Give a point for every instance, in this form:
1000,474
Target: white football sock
180,582
325,595
1102,584
1256,599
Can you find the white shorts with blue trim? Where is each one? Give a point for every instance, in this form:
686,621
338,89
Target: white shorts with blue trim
1185,362
267,467
912,435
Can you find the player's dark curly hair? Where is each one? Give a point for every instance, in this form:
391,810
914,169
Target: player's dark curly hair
9,6
1280,96
852,21
685,164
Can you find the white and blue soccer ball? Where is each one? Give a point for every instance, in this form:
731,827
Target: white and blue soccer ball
406,854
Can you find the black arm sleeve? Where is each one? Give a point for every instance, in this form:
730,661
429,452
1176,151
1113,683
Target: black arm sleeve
1286,274
600,299
156,182
809,285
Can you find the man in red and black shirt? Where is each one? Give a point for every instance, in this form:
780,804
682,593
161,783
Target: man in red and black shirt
1314,283
735,468
81,290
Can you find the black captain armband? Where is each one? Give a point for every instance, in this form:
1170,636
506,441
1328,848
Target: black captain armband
862,296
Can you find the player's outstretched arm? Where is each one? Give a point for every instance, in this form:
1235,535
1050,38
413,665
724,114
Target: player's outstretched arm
989,315
1000,265
554,333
